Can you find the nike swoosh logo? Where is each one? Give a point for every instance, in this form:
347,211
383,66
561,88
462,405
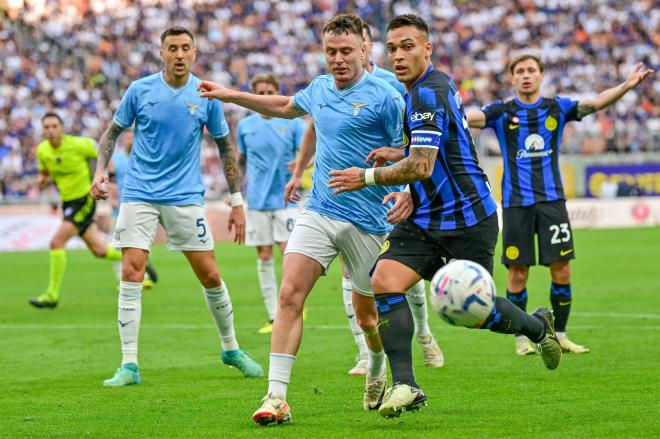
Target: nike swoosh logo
565,252
513,126
124,324
564,303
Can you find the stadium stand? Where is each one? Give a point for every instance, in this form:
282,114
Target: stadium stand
77,57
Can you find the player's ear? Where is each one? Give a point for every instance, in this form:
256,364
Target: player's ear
428,49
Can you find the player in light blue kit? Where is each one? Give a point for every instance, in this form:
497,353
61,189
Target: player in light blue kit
164,184
416,296
354,113
266,145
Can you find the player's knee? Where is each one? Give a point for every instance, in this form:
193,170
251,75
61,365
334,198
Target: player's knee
291,298
265,253
99,251
210,279
132,271
368,320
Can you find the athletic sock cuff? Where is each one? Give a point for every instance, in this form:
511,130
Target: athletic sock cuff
215,291
270,263
390,301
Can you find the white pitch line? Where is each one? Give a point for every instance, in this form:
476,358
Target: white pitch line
617,315
194,327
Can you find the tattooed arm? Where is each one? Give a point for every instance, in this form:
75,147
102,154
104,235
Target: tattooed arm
230,163
611,95
417,166
233,176
106,148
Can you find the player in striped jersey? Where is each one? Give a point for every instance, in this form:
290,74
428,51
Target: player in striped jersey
454,215
529,129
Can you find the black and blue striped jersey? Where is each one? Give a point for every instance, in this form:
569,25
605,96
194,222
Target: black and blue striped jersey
529,138
457,195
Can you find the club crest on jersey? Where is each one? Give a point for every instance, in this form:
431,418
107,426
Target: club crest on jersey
282,131
551,123
357,107
192,108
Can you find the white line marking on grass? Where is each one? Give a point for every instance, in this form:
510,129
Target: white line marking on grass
195,327
617,315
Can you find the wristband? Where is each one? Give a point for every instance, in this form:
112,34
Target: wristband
370,177
236,199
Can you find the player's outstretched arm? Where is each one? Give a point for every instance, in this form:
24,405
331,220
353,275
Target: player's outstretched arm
233,176
417,166
269,105
106,148
476,119
611,95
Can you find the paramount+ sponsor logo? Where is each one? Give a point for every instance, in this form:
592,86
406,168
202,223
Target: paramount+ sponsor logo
418,117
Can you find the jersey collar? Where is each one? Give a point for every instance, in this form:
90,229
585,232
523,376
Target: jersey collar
522,104
352,86
423,77
162,78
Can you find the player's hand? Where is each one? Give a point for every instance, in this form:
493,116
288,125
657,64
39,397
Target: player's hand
237,221
350,179
100,187
42,181
291,193
637,76
402,208
383,155
211,90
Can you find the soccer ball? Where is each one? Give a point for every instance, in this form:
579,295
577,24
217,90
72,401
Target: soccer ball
463,293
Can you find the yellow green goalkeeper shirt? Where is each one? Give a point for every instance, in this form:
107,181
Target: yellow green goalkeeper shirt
68,165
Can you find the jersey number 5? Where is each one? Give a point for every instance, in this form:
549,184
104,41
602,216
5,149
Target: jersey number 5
200,224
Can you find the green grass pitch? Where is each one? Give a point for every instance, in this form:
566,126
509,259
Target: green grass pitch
53,361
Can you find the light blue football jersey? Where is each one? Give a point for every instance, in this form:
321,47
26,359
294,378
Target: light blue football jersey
350,123
120,159
388,77
268,145
165,161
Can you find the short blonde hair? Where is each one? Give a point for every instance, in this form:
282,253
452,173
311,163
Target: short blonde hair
525,57
268,78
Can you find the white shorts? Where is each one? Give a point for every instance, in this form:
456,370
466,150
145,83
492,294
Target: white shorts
322,239
267,227
186,226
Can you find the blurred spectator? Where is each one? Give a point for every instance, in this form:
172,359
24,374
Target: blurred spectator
77,57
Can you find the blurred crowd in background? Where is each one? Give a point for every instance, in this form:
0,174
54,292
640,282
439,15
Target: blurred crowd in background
77,57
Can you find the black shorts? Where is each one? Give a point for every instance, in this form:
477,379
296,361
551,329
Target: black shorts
80,212
547,220
426,251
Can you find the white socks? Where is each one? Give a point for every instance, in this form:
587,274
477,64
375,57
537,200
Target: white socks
129,310
358,335
279,373
416,297
376,363
219,303
268,284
